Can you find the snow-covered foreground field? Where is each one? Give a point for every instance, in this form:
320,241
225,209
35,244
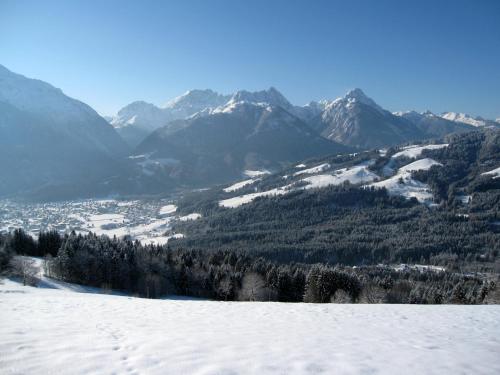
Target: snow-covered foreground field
63,332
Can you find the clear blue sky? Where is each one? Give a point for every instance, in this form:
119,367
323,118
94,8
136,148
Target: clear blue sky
437,55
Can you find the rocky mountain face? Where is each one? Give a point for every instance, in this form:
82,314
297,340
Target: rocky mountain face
239,136
354,120
357,121
433,125
138,119
48,139
469,120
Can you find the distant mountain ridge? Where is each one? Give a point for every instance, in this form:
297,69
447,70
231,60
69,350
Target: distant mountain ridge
355,120
138,119
468,119
434,125
53,145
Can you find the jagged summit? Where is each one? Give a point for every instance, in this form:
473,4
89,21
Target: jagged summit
357,95
464,118
356,120
270,96
197,99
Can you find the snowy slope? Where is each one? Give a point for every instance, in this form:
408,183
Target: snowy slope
54,111
194,101
358,121
313,170
247,198
189,217
403,184
355,175
63,332
270,97
434,126
495,173
470,120
464,118
239,185
255,173
412,152
415,150
51,143
136,120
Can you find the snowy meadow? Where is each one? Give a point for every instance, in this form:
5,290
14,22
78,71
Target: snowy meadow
51,330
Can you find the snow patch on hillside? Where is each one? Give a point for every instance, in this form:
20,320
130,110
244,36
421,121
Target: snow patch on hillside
239,185
317,169
247,198
168,209
419,165
255,173
415,151
464,118
412,152
193,216
495,173
355,175
158,240
403,184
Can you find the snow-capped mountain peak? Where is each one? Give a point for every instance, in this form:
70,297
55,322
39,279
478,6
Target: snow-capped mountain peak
350,99
237,106
140,113
270,96
41,98
428,113
463,118
196,100
357,95
402,113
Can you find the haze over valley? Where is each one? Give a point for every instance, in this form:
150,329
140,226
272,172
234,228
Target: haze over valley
250,187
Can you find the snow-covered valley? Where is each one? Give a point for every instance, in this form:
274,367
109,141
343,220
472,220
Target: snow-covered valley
47,330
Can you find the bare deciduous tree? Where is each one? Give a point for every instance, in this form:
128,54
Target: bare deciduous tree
26,269
253,288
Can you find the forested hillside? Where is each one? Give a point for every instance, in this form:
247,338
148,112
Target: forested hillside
310,242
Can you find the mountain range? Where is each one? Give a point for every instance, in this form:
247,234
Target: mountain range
53,143
239,136
354,120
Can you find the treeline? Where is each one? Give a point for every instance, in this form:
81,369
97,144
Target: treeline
6,252
155,271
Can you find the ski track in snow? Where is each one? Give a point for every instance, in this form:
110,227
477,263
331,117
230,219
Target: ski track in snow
63,332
